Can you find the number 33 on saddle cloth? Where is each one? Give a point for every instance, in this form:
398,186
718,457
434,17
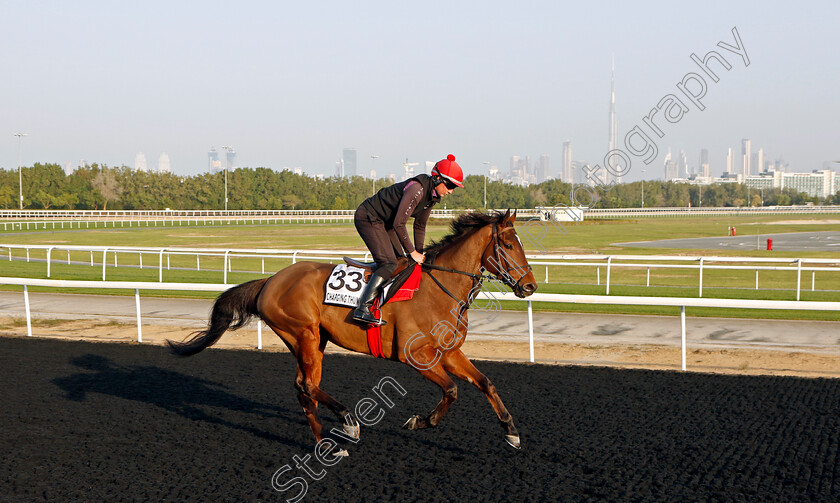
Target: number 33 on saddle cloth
344,286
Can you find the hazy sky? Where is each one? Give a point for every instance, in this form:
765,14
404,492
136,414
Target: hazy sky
291,83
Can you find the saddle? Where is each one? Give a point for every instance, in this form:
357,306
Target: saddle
358,263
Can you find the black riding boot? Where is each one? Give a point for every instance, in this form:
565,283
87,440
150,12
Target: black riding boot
362,313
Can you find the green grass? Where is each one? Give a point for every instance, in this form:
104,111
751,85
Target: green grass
579,238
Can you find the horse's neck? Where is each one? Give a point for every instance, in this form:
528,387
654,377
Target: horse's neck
464,256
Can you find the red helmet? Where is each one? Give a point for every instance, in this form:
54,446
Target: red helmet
448,169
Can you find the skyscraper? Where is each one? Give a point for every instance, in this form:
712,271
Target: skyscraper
745,157
214,165
544,169
757,163
163,163
230,157
348,156
729,161
608,176
682,165
140,162
567,175
704,163
671,167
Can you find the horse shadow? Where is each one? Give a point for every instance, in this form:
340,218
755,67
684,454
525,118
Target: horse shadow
185,395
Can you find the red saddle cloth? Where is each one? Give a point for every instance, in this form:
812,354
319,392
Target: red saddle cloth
405,292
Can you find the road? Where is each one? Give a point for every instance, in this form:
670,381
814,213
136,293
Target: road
571,328
787,241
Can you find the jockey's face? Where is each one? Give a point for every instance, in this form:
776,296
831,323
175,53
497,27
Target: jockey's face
442,190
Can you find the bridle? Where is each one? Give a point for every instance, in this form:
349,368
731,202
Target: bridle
478,279
505,276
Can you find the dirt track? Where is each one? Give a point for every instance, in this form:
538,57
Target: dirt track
115,422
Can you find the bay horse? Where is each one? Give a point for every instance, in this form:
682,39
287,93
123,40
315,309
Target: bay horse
426,332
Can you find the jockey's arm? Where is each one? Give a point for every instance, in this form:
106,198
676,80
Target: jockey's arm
420,229
410,198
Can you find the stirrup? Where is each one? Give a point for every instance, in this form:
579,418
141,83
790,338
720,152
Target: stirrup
365,316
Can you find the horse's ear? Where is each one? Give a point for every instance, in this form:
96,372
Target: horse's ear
513,218
507,216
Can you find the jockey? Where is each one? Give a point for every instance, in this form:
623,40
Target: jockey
381,218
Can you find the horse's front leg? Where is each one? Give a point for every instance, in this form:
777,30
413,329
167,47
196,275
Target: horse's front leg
437,375
457,364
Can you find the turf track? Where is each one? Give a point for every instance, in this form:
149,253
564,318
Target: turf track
113,422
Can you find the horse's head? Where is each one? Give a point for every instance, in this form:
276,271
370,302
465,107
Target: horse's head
505,258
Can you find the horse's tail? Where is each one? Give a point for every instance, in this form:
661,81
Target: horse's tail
232,309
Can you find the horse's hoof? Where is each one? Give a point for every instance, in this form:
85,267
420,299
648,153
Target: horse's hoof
342,453
352,430
513,440
412,423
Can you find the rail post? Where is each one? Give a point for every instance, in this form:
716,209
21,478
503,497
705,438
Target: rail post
28,314
609,263
137,306
49,252
682,335
160,266
531,331
104,262
798,276
701,277
259,334
225,267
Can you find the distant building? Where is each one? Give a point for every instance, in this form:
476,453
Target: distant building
729,159
230,157
543,171
682,165
817,183
348,158
69,168
163,164
704,163
214,164
567,175
140,162
298,170
746,158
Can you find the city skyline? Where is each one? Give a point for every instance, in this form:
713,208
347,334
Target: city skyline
405,83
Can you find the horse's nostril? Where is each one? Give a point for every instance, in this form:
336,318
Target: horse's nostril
529,288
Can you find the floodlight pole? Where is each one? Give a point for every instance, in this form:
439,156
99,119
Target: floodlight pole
487,163
373,159
643,188
227,148
20,170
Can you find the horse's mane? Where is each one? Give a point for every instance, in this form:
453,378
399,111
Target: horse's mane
464,224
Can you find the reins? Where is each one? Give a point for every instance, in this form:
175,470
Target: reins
477,279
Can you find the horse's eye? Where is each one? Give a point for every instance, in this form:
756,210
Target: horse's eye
509,246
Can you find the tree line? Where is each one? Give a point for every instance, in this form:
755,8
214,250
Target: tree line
99,187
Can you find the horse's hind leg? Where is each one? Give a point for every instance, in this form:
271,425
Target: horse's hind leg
457,364
438,376
310,356
310,406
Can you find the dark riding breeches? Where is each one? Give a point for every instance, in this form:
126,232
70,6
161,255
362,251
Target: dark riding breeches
382,243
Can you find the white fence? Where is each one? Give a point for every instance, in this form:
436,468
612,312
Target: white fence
607,262
57,219
682,303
